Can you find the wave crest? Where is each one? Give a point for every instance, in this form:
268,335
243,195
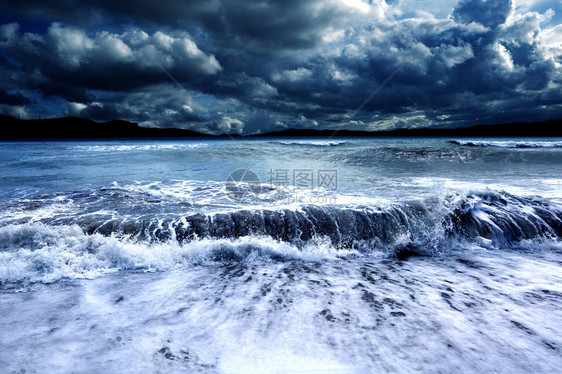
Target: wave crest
47,252
311,143
508,143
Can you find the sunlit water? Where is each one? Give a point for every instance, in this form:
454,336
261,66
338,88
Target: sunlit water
428,255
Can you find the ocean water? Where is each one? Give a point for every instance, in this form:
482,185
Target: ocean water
281,255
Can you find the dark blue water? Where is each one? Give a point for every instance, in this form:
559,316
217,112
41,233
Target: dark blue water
384,165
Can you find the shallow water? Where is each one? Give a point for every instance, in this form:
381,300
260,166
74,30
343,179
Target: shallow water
472,312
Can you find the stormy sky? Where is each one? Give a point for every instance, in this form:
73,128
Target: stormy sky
239,66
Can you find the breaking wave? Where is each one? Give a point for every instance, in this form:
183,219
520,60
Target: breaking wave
137,147
508,143
313,143
46,252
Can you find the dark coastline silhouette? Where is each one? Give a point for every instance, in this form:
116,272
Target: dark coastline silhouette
80,128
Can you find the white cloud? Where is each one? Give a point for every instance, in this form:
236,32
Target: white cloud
292,75
114,48
453,55
18,111
74,109
551,42
73,48
8,33
503,57
70,45
228,125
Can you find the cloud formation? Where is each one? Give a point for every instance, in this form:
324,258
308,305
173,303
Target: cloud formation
238,66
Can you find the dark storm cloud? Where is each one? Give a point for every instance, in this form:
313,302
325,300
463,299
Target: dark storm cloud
259,26
272,64
13,99
109,61
490,13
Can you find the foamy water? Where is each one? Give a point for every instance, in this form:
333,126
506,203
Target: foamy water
509,143
483,311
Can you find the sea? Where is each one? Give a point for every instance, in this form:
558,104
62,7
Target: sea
281,255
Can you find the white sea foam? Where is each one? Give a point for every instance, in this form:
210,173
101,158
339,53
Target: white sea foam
549,188
37,252
137,147
215,195
478,312
314,143
508,143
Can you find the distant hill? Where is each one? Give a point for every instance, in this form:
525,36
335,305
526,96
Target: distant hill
80,128
537,129
74,128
